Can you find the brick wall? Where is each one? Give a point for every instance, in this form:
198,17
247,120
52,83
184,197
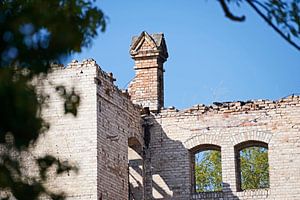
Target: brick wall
72,138
118,120
97,139
147,83
149,53
108,139
174,133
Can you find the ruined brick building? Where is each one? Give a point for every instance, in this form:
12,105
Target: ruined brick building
116,129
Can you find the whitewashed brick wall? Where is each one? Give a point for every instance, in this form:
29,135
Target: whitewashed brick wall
97,139
175,133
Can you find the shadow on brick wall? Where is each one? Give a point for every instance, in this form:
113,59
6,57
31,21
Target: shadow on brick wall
167,167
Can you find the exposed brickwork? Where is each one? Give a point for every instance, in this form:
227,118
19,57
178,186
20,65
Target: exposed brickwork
175,133
73,138
97,139
113,143
149,53
118,120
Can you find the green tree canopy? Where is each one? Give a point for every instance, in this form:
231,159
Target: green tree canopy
254,168
208,171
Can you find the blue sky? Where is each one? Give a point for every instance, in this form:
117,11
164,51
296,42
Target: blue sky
210,57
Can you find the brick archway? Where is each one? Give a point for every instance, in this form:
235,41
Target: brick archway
201,139
251,136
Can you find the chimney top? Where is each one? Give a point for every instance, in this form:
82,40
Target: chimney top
156,42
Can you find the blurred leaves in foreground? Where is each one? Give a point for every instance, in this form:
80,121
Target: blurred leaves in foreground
34,34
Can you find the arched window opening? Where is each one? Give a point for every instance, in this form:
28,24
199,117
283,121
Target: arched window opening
207,169
252,166
135,169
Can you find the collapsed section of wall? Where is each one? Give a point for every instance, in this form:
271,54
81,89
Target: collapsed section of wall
174,135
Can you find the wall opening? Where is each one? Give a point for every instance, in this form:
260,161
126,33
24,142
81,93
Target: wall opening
206,168
252,166
135,170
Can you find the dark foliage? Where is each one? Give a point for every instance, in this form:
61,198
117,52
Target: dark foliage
34,34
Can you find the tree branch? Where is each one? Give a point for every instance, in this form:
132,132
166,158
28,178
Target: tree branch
286,38
229,14
262,5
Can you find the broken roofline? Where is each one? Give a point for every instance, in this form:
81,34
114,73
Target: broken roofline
220,107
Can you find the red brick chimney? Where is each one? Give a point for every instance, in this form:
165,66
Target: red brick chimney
149,53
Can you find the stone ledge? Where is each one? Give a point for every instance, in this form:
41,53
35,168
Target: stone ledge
254,193
208,195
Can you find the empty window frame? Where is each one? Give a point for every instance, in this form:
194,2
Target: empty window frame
252,166
206,168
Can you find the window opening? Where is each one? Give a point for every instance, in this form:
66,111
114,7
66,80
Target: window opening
207,169
252,165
